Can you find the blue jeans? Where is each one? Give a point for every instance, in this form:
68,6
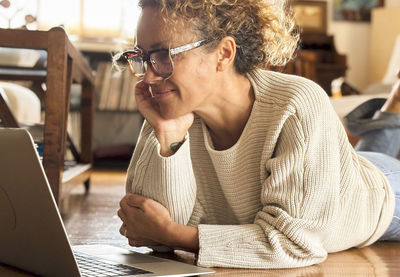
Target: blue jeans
380,144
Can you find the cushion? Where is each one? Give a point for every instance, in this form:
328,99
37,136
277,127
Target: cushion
23,102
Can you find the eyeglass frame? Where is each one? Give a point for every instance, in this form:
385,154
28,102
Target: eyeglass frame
171,52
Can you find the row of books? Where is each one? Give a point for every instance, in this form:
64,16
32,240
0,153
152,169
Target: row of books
115,90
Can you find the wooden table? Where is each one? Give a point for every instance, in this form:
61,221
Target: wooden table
65,65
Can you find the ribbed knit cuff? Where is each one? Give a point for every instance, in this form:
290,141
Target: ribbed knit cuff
168,180
230,246
246,246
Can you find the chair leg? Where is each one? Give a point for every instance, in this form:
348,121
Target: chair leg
87,185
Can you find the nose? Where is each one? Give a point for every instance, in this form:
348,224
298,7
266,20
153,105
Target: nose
150,76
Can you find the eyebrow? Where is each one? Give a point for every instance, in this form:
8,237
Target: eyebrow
154,46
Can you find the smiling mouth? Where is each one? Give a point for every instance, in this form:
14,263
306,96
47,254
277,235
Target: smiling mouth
158,93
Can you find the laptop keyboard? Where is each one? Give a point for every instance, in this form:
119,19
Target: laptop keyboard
90,266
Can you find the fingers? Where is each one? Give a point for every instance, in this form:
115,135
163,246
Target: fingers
135,200
143,89
123,204
123,230
122,215
131,200
142,242
145,101
130,207
135,241
141,86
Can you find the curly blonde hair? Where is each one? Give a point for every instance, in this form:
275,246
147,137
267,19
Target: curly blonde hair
264,30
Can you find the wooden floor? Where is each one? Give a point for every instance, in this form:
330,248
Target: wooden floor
92,219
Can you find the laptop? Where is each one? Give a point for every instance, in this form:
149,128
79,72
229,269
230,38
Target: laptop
32,234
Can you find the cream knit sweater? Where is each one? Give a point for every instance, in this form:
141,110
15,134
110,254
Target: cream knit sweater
291,190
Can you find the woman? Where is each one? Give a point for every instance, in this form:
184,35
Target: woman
244,167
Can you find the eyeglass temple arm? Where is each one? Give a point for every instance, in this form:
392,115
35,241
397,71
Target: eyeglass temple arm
186,47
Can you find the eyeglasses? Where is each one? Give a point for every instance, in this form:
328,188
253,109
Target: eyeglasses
160,60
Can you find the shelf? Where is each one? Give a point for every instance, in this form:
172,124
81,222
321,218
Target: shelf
65,65
74,172
15,73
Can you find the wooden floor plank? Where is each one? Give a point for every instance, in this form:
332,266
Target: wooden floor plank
92,219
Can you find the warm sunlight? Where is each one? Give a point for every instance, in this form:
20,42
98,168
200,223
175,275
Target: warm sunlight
86,18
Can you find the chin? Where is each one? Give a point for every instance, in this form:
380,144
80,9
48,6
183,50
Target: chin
169,114
173,110
172,113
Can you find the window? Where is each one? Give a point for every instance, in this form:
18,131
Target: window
85,18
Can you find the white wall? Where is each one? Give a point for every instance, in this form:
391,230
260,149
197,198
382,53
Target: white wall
384,32
353,40
392,3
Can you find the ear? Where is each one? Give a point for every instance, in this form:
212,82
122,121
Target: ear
226,53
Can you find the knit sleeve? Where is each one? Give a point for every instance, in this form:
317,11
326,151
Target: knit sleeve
167,180
299,199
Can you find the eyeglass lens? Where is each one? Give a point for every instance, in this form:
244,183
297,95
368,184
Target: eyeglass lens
160,62
137,66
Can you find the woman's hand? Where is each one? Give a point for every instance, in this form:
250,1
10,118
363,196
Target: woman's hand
145,221
167,131
148,223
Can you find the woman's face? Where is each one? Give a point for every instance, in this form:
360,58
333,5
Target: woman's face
190,84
